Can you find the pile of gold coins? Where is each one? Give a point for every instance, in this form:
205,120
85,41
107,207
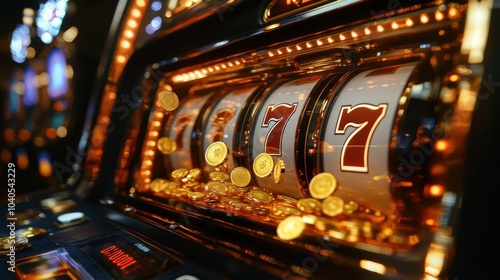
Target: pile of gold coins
322,213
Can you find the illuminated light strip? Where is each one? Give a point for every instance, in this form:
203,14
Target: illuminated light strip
362,33
123,51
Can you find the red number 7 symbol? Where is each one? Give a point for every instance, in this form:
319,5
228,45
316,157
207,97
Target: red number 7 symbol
280,114
364,118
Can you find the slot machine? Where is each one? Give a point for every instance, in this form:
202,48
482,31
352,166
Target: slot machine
283,140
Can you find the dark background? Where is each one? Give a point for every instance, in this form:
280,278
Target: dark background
93,19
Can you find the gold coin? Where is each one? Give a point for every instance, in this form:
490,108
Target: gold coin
259,196
218,176
332,206
31,232
240,176
287,199
196,195
194,174
166,145
290,228
158,185
180,192
322,185
263,165
180,173
168,100
309,205
217,187
216,153
279,171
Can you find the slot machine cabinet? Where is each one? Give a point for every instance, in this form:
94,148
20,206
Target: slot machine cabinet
215,156
378,100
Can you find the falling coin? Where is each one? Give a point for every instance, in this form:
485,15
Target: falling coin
166,145
279,171
322,185
263,165
240,176
216,153
332,206
168,100
290,228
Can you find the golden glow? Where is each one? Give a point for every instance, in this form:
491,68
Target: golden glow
120,59
476,30
373,266
430,222
345,39
140,3
453,13
272,26
435,190
135,13
42,79
454,78
44,168
125,44
62,131
69,71
31,52
441,145
439,16
70,34
424,18
132,23
128,33
434,261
